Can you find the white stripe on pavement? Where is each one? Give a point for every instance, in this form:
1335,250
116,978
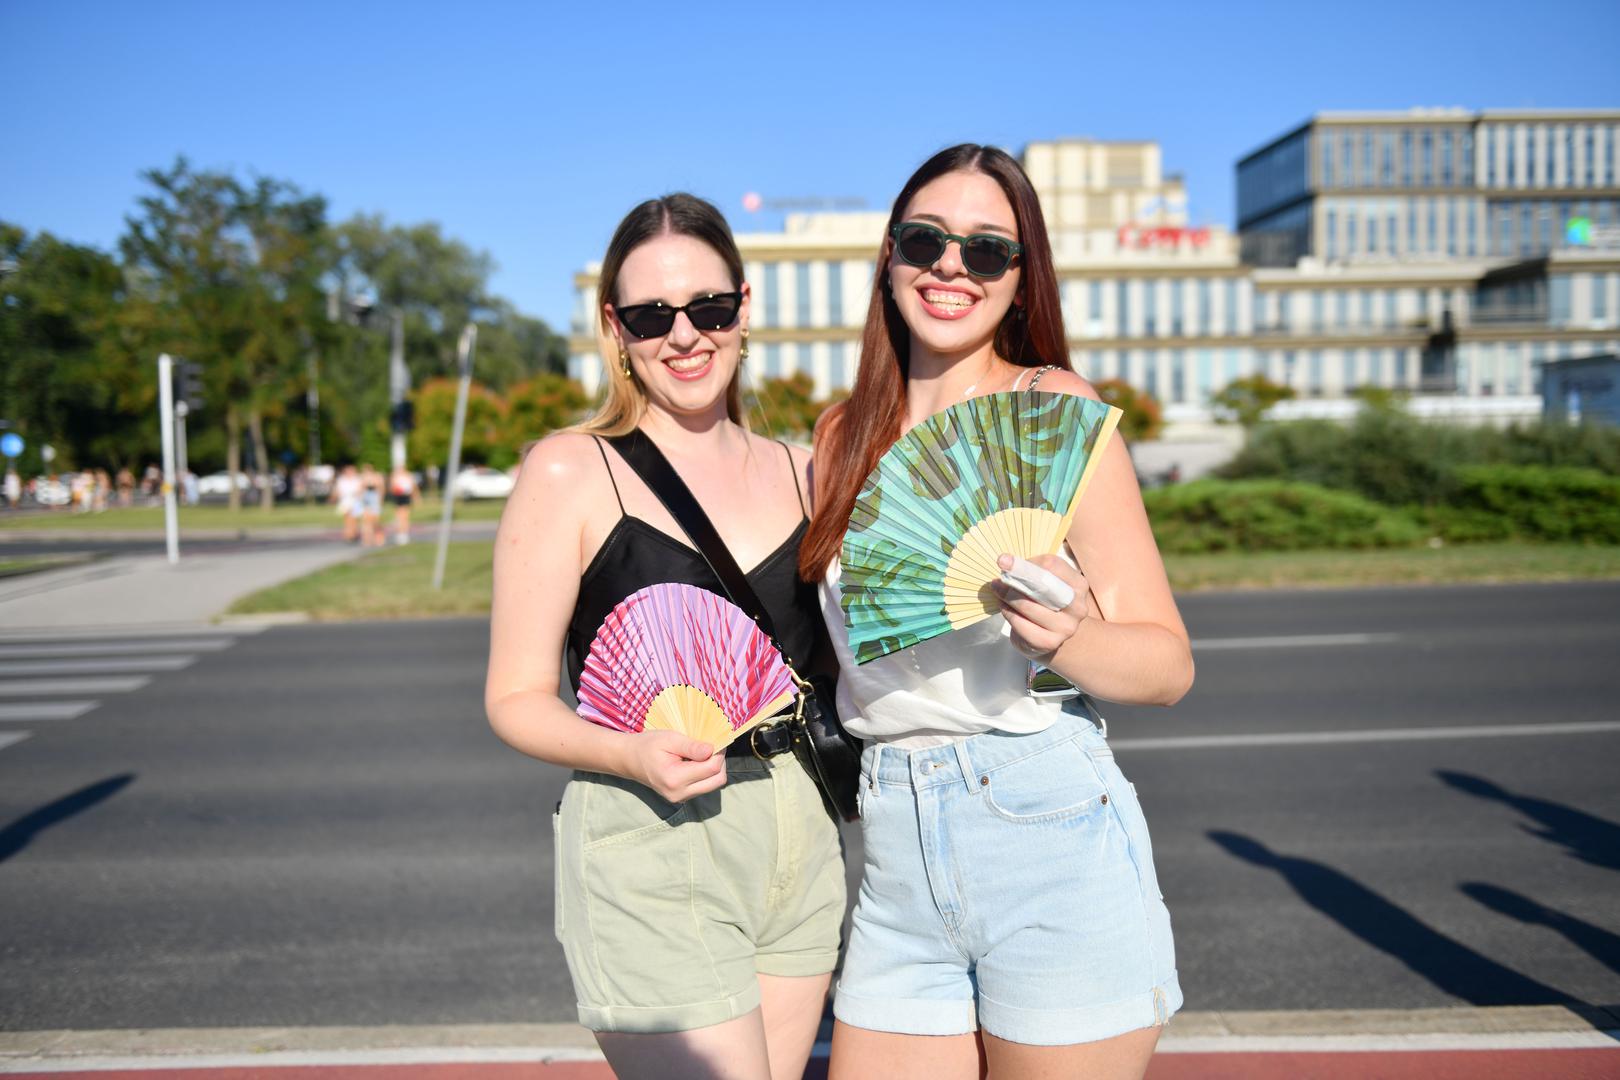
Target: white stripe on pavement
45,710
111,685
1324,738
11,738
1293,641
116,665
116,648
33,635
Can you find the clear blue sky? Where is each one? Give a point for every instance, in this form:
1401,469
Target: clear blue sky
527,129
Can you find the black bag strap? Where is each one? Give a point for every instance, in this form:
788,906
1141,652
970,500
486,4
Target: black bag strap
649,463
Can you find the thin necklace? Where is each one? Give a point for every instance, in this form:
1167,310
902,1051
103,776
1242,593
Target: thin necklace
969,391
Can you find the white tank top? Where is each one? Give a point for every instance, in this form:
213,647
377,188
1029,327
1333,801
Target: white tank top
961,683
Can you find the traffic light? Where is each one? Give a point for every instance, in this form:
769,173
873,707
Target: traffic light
190,384
402,417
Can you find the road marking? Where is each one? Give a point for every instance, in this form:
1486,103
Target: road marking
33,635
111,685
116,648
95,667
1325,738
1293,641
45,710
11,738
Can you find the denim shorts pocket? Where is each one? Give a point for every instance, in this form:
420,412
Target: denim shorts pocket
1054,784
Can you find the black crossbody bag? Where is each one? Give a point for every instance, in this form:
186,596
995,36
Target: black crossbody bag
828,753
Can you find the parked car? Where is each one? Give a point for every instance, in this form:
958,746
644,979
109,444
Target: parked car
219,483
482,482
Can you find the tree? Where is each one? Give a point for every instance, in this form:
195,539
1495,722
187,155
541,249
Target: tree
787,407
1247,400
483,440
64,381
1142,419
536,407
227,276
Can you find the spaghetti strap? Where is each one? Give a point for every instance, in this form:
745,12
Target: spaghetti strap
1019,382
793,470
1033,383
603,451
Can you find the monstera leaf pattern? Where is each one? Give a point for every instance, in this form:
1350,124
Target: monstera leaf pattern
1003,472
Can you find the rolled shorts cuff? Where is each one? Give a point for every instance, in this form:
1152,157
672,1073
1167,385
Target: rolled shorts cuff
795,965
1064,1027
658,1019
906,1016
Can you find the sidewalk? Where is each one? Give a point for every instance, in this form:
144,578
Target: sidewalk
143,591
1545,1042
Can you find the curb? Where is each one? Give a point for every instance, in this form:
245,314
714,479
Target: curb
1548,1027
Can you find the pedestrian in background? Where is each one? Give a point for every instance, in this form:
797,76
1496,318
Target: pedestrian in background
371,495
1008,904
403,491
699,895
346,495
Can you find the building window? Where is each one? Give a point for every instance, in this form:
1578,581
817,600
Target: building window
835,294
1350,245
1327,161
1317,305
1386,155
838,365
1488,152
1390,311
1411,226
1568,171
773,295
1096,290
1510,141
1204,306
1341,308
1406,159
1366,307
1314,387
1389,233
1473,247
1427,161
1600,297
1349,361
1232,366
1231,306
1451,226
1591,158
1178,376
1400,366
1530,177
1151,377
1284,315
801,287
773,361
1206,375
1122,305
1369,175
1332,230
1150,308
1176,287
1445,158
1432,221
1558,307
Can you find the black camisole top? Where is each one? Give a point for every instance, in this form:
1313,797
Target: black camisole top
636,555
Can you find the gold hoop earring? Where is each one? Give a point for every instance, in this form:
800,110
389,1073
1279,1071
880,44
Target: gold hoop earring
624,360
744,354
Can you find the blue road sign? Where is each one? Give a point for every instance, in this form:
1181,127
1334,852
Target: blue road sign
11,444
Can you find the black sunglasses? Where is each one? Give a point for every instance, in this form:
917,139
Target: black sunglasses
713,312
983,254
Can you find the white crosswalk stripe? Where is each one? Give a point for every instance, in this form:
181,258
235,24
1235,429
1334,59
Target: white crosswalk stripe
71,673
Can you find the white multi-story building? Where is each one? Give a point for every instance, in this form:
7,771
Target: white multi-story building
1176,310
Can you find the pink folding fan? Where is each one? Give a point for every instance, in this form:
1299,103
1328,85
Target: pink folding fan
681,658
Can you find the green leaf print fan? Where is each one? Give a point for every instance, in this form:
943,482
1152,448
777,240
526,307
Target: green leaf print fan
998,473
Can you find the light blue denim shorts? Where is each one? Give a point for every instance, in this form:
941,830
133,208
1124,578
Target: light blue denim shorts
1008,885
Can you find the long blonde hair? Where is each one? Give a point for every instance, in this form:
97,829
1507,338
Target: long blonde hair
624,402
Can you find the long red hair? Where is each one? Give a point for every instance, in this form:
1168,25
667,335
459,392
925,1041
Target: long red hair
854,434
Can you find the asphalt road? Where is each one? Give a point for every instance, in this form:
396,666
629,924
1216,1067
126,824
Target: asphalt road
314,825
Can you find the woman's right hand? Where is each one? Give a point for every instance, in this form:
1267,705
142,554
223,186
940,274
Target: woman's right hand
677,767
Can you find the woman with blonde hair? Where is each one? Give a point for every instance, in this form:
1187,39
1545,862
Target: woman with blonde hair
699,895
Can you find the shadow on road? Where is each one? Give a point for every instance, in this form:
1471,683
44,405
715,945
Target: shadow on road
20,833
1602,945
1445,962
1589,838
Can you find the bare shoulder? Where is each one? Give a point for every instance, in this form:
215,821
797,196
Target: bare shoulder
1068,382
561,457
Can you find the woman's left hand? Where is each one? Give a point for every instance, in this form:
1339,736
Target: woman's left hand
1037,630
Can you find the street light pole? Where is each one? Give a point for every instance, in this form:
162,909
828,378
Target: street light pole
399,384
171,519
447,488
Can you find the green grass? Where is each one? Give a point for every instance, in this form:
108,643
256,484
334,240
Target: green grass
28,564
249,518
389,583
395,583
1452,564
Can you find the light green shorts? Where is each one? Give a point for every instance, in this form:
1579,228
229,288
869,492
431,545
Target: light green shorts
667,912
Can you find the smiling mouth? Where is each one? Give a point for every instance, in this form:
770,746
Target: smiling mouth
948,301
687,365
